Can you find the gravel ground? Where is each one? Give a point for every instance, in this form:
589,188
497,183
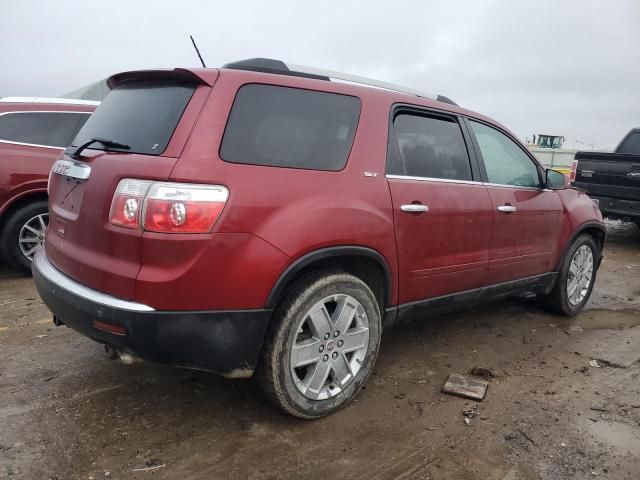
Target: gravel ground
66,412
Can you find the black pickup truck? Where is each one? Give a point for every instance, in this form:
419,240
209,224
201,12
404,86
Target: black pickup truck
612,179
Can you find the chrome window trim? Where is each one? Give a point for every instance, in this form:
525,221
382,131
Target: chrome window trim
520,187
47,270
9,142
62,101
469,182
432,179
12,142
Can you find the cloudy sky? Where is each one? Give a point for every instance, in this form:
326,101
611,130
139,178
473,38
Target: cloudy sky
564,67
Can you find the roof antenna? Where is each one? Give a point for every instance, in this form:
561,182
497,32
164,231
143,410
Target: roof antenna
197,51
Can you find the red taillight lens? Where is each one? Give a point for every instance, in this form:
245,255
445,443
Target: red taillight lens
574,169
127,202
167,207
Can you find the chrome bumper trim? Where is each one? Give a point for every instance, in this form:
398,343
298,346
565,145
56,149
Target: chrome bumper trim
47,270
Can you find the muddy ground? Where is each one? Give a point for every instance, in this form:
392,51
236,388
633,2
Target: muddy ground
66,412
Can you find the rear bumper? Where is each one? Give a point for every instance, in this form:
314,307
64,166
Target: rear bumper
223,342
615,208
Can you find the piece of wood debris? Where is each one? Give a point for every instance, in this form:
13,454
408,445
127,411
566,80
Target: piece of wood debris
528,437
146,469
462,386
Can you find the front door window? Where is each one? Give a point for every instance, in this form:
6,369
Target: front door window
504,161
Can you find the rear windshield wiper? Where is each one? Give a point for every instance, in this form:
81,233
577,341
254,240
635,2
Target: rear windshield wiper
75,153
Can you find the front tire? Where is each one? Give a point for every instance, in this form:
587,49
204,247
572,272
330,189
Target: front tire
23,234
576,277
322,345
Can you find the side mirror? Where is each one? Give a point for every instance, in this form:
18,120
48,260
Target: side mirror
556,180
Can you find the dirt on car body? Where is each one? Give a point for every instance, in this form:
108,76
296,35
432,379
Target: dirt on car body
67,412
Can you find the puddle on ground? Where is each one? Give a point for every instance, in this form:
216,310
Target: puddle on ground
623,438
607,319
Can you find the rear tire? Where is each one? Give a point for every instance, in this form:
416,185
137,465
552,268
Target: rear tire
309,367
25,224
575,281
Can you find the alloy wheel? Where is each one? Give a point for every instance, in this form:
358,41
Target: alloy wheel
580,275
329,347
31,235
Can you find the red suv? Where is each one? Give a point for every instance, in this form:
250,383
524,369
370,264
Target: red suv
33,133
270,218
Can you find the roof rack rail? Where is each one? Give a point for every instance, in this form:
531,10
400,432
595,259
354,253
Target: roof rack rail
268,65
66,101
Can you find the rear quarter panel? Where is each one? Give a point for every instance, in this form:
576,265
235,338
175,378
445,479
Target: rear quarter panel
298,211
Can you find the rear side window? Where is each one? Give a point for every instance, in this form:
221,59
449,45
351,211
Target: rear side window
430,147
50,129
631,144
142,115
290,127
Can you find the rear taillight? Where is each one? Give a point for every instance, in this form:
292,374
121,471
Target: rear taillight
167,207
127,202
574,170
183,207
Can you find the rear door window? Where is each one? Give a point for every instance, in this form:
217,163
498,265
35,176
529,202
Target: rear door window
48,129
290,127
142,115
428,147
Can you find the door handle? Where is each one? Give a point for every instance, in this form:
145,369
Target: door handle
507,208
414,208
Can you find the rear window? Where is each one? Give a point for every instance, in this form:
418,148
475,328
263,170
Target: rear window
289,127
142,115
47,129
631,144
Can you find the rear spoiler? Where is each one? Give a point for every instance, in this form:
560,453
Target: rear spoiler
201,76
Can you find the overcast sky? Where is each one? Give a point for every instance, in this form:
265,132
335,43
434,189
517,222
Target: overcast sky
564,67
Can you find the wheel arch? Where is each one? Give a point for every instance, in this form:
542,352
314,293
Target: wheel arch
19,202
364,262
597,230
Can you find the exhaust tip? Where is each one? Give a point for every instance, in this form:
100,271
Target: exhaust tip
128,359
125,357
111,352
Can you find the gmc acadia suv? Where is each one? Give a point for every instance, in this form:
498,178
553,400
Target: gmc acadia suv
267,218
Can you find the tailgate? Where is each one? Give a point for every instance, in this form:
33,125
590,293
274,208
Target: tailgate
80,241
609,174
138,132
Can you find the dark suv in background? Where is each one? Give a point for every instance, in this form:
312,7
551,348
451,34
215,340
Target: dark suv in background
266,217
33,133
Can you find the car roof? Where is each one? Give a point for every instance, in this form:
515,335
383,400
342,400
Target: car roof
277,72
